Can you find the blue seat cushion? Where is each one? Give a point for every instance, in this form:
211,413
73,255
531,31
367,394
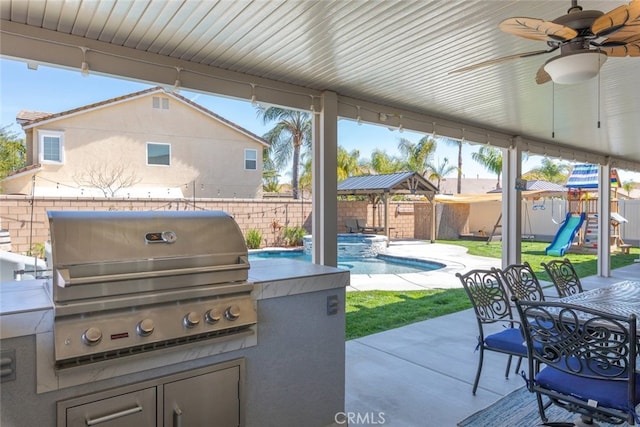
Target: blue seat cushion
608,393
509,340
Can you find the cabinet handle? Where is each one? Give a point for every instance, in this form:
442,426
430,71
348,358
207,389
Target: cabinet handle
113,416
177,417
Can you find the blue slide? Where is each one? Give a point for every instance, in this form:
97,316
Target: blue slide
565,235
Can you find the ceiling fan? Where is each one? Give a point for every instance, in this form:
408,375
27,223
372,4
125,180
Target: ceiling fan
585,38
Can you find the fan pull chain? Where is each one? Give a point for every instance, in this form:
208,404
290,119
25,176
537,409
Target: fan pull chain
553,110
598,99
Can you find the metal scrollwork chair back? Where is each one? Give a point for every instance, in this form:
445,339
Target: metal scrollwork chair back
491,304
583,360
564,277
522,282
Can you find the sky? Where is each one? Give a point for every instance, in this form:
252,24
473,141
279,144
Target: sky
53,90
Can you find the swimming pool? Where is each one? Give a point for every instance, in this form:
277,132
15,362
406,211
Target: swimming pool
380,264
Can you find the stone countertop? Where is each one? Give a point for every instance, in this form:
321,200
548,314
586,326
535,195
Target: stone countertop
26,307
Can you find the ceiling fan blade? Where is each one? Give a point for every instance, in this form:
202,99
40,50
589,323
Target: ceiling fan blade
630,48
542,76
623,19
501,60
537,29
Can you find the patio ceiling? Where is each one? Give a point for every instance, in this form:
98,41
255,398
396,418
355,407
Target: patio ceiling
387,61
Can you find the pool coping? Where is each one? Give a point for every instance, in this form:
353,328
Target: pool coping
455,258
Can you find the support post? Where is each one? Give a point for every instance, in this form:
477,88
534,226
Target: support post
325,182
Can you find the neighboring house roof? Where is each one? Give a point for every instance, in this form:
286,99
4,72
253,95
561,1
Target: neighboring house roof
28,119
449,185
538,185
394,183
27,169
585,176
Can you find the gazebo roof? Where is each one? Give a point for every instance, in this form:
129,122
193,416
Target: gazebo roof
393,183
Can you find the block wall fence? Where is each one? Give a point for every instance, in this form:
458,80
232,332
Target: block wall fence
27,223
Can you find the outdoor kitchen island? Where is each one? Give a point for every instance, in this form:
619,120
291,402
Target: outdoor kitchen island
288,371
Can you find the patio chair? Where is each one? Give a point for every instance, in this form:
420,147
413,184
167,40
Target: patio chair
362,226
491,305
522,282
582,360
352,226
563,276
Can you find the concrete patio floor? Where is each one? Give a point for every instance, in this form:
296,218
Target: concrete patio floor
421,375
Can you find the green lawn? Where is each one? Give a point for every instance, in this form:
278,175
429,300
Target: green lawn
377,311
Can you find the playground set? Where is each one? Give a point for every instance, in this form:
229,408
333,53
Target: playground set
581,222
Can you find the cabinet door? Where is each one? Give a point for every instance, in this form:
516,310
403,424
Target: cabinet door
210,400
137,409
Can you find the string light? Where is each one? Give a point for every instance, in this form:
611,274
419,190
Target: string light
433,130
84,67
358,118
254,100
400,128
177,84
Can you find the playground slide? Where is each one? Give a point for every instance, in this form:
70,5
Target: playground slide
565,235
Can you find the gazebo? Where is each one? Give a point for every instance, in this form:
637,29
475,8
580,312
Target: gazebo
383,187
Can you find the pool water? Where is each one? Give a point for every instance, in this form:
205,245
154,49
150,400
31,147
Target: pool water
381,264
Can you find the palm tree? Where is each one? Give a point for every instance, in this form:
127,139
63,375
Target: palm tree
458,143
550,171
291,132
439,171
491,159
348,163
418,155
382,163
628,186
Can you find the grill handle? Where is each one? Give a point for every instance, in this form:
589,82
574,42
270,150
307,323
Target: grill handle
65,279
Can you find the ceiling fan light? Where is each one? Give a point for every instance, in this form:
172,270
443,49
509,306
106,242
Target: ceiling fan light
575,67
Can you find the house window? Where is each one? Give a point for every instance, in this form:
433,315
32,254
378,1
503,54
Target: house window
250,159
158,154
160,102
51,146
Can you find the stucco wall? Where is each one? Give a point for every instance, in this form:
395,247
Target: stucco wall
204,151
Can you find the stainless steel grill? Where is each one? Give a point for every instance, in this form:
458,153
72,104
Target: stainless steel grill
126,283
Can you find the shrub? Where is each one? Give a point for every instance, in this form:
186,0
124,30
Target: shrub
292,236
254,238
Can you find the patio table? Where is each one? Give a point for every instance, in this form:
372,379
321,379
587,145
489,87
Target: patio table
622,298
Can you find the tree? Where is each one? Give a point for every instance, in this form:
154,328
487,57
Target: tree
416,156
439,171
491,159
348,163
13,153
382,163
108,177
291,132
628,186
548,170
458,143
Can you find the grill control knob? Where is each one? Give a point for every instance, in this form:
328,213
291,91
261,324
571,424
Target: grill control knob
145,327
212,316
191,319
92,336
232,312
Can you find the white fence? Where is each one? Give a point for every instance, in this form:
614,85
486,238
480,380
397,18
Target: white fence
542,218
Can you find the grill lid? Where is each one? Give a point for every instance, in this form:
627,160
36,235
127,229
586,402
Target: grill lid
147,248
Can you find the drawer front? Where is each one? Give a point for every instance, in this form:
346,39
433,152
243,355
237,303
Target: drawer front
137,409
